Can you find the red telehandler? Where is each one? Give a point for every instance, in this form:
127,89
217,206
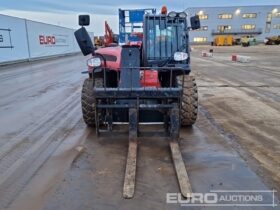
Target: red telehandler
143,83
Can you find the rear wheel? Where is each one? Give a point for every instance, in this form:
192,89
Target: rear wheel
88,100
189,100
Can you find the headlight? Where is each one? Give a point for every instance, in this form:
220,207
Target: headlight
180,56
182,15
172,14
94,62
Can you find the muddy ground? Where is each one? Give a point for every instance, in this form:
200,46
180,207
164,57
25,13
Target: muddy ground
49,159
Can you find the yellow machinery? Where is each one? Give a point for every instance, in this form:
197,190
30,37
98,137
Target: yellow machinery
245,41
272,40
97,41
223,40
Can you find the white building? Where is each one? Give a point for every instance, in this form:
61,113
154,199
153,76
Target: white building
255,21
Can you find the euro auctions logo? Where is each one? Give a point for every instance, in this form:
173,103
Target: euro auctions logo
245,198
46,40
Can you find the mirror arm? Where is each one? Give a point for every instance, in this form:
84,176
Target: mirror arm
93,50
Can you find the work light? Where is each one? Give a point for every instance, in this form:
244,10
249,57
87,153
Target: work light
180,56
94,62
172,14
182,15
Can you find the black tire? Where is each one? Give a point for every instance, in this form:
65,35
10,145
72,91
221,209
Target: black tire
88,100
189,107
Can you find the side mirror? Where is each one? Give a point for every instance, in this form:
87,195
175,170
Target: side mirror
195,22
84,20
84,41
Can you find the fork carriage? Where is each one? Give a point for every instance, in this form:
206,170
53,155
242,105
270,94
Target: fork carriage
136,105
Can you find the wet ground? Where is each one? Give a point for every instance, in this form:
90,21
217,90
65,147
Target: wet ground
50,160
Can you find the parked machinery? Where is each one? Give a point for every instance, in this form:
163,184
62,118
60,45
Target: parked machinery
273,40
143,83
108,39
98,41
223,40
247,41
131,24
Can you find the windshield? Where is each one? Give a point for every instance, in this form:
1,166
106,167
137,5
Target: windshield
164,38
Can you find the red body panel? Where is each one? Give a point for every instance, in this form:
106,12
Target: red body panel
135,43
113,51
149,78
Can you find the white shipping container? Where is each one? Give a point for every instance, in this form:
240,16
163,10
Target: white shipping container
22,39
13,40
49,40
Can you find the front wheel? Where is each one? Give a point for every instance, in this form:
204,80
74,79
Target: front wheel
88,100
189,101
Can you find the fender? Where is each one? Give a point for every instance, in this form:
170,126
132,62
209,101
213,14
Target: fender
112,56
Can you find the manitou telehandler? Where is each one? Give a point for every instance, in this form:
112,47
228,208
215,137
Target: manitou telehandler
143,83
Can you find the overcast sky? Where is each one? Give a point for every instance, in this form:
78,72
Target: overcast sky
64,12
